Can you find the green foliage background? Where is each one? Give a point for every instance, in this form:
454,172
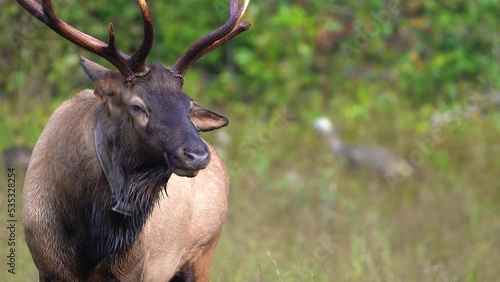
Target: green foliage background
380,68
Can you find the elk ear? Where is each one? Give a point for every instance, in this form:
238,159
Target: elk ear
205,119
98,74
95,71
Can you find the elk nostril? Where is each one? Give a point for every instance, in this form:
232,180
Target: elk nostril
196,155
192,158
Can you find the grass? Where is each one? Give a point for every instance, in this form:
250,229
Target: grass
437,226
297,214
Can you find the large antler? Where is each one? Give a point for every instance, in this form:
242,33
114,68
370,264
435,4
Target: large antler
211,41
129,66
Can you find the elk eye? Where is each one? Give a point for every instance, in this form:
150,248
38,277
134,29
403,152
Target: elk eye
136,108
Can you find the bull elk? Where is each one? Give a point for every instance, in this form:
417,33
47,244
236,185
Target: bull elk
120,186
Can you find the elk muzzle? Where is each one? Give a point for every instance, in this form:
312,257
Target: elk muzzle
189,159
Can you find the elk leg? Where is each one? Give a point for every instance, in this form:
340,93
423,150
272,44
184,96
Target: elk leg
202,266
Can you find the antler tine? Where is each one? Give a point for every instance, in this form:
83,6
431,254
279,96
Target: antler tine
113,55
128,66
83,40
211,41
139,57
242,26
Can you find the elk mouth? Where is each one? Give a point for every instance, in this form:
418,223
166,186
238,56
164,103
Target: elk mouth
186,173
180,168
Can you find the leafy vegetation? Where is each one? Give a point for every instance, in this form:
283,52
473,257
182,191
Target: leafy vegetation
379,69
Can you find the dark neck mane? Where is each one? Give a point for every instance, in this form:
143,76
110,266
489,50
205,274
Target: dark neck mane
138,184
113,233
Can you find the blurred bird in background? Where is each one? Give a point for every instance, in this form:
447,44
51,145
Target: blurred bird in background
381,161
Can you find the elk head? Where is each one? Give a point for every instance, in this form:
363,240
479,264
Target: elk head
146,126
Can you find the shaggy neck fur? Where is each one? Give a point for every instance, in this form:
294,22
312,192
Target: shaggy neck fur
139,184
